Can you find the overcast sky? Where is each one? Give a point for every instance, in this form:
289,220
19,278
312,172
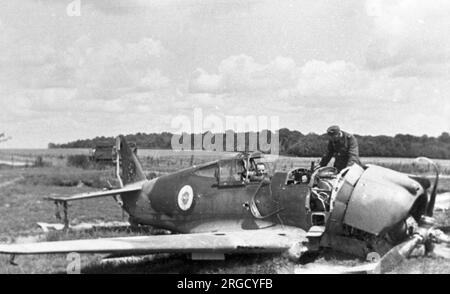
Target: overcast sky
372,67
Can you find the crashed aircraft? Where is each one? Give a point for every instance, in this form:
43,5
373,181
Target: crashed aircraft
232,206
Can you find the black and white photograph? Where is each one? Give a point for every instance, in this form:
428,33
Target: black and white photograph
221,137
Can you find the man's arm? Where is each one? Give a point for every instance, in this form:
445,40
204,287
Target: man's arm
353,151
327,157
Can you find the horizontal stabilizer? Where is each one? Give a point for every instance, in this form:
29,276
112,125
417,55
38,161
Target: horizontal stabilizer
129,188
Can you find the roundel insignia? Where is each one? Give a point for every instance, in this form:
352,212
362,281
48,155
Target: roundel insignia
185,198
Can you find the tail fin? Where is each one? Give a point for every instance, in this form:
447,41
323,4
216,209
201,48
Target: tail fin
129,169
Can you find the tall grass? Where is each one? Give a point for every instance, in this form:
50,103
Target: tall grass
79,160
40,162
69,177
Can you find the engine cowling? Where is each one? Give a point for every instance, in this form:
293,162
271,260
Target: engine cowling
373,200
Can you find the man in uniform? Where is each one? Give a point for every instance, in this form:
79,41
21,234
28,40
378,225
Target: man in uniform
343,147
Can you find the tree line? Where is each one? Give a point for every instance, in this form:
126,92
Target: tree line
295,143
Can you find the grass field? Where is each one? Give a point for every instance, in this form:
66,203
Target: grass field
22,205
169,161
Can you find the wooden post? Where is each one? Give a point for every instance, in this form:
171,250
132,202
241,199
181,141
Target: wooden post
57,213
66,217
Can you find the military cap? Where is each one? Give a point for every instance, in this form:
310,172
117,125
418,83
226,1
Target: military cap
333,130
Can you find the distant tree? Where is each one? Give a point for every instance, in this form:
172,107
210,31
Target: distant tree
294,143
444,137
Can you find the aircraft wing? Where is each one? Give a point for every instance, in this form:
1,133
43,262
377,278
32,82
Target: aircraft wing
251,241
129,188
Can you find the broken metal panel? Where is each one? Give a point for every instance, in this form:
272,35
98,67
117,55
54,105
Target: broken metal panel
263,205
265,202
315,232
353,174
381,199
334,224
342,194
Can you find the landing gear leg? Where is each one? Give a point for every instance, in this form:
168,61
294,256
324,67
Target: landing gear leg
133,224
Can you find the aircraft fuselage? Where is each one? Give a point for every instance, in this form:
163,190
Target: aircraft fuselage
210,205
